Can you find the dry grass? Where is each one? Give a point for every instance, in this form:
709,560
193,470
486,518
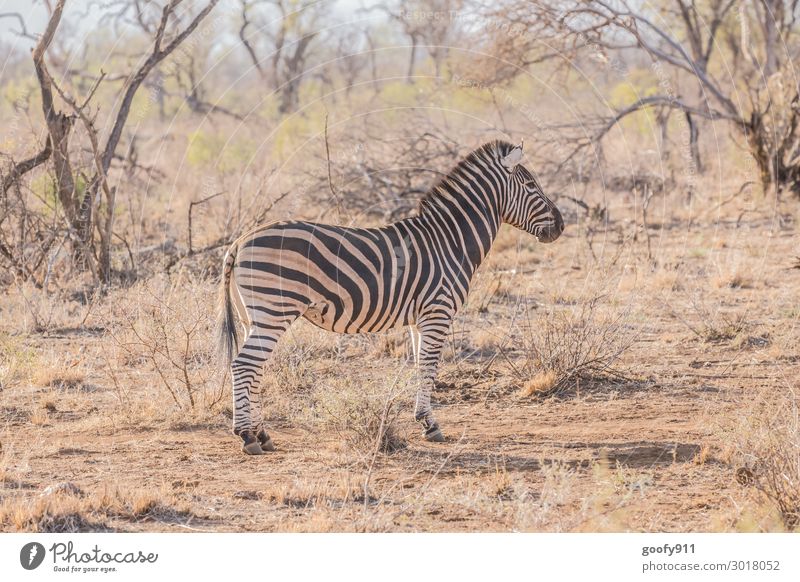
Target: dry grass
59,375
553,506
393,345
17,360
767,451
7,473
597,498
293,368
39,417
67,509
542,383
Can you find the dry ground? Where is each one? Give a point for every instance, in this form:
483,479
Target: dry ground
92,439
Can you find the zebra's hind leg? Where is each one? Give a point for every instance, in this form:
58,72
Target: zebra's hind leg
247,370
432,334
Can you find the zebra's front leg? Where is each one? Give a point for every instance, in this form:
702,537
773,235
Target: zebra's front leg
431,341
247,370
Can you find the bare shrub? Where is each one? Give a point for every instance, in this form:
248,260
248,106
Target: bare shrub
288,379
710,322
365,184
30,240
167,324
767,450
365,414
717,326
50,308
566,344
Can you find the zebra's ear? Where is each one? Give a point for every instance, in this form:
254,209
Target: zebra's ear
513,158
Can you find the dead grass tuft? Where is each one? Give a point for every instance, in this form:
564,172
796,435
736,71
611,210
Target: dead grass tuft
328,493
501,485
542,383
393,345
60,376
39,417
702,455
735,279
49,516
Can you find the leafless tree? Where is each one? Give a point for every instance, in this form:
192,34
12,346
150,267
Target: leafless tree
736,57
429,24
411,27
355,58
185,68
85,210
278,36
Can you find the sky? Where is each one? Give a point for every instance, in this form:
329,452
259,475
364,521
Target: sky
35,15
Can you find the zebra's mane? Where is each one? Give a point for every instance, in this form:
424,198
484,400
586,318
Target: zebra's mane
490,151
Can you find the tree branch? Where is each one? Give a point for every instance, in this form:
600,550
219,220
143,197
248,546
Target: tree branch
135,80
25,166
16,15
246,42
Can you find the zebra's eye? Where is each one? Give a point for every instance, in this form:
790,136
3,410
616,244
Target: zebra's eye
531,185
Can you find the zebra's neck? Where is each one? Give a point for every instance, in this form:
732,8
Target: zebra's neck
465,210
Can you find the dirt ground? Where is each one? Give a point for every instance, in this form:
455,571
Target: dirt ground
710,330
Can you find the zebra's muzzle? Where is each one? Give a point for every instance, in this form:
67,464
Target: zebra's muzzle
548,234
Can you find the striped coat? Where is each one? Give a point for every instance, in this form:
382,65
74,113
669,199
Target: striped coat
414,272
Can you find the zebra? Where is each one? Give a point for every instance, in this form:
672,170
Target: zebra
414,272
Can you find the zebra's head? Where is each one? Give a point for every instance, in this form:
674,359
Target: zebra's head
526,206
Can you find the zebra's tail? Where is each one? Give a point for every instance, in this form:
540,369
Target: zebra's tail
227,332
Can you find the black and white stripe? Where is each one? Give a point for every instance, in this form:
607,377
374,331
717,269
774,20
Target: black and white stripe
415,272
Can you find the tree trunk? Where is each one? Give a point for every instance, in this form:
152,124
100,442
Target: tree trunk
59,126
289,97
694,147
411,59
758,141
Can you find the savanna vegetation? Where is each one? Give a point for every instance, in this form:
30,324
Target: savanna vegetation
640,374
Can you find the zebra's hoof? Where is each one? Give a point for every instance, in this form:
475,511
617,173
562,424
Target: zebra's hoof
252,442
434,435
265,441
253,448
